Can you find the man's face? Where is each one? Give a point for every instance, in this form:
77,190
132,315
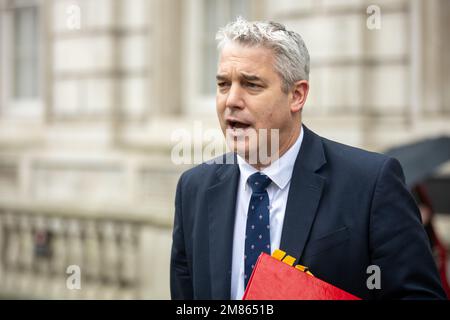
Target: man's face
250,97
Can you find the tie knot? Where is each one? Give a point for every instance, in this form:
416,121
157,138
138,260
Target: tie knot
259,182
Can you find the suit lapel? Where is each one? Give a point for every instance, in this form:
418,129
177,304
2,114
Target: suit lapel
221,214
304,195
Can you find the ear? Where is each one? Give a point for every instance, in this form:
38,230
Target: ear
299,93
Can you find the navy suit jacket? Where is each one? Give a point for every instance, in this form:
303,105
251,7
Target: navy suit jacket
347,209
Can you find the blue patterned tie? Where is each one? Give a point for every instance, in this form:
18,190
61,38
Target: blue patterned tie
257,236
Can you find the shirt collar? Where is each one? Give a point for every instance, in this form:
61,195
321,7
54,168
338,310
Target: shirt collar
280,171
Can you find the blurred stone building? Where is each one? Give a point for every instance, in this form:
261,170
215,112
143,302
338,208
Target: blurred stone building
92,91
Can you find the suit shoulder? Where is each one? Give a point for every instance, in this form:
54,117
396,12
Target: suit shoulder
206,170
353,156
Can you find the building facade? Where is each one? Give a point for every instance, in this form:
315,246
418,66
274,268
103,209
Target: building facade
94,94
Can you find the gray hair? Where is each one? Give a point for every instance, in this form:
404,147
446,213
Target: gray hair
291,54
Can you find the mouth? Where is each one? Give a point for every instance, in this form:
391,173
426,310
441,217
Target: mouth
237,124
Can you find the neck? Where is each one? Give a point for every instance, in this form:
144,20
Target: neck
283,148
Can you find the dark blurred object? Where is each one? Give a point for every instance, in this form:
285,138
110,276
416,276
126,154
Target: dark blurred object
439,250
438,188
419,160
42,244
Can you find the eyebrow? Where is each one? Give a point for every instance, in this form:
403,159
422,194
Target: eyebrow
250,77
221,77
247,77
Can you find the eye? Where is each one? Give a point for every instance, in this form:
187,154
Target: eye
222,84
253,85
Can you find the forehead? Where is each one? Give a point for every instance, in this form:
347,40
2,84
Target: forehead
235,57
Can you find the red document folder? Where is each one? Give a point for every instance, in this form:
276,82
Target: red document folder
273,279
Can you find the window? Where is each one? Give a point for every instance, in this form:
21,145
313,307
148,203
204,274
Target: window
25,55
20,57
204,18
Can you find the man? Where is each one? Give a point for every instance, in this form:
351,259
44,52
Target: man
337,208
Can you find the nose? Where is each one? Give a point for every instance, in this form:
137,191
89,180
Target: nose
235,97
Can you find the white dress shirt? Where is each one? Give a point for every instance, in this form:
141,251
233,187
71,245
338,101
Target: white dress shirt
280,172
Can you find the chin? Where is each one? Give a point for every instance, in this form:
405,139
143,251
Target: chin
244,151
